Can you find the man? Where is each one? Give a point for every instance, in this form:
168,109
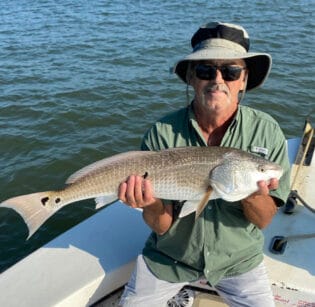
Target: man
224,244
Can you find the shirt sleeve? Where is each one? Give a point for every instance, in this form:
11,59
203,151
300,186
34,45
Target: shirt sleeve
279,155
153,140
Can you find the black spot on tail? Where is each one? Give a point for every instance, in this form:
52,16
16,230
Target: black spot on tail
44,200
57,200
146,174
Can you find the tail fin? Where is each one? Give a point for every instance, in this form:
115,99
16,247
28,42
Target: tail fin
32,209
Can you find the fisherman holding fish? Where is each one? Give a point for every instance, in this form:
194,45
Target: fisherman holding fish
225,244
208,178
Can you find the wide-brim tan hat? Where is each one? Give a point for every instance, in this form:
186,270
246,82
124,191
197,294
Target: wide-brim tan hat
224,41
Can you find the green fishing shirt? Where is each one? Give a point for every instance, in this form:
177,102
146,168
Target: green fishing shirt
221,242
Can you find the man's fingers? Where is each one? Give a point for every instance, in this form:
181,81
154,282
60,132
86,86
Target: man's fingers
122,192
273,184
147,191
130,191
138,192
265,187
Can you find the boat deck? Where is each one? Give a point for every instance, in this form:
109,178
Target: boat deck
291,265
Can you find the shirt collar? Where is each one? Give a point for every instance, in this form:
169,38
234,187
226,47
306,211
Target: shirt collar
195,125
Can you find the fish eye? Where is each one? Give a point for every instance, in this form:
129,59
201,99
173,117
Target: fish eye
261,169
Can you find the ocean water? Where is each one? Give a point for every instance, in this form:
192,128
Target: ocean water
82,80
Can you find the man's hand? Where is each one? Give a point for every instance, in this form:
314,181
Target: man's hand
264,187
259,208
137,192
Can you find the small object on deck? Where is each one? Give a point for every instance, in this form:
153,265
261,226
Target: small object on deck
278,245
291,203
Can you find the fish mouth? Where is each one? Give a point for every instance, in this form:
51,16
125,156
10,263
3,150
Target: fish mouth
277,171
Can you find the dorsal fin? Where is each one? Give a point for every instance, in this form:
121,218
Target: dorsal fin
101,163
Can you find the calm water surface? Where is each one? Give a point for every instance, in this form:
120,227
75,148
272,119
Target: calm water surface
82,80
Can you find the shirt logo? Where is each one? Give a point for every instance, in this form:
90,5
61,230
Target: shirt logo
260,150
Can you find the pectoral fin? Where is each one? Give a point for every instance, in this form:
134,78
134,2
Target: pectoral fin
104,200
203,202
191,206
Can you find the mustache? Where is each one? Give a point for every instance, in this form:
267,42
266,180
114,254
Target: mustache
217,87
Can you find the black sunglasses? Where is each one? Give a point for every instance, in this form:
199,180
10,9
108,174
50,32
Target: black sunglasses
209,72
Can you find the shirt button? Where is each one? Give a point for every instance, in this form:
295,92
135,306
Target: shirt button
208,254
175,261
207,271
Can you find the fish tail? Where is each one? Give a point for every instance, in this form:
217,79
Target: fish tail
33,208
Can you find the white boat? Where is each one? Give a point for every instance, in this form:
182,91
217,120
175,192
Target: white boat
89,264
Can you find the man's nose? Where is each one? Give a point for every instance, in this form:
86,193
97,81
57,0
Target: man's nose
218,76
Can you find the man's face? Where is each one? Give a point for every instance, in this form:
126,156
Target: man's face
220,93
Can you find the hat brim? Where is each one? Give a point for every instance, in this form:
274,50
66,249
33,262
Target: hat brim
258,64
